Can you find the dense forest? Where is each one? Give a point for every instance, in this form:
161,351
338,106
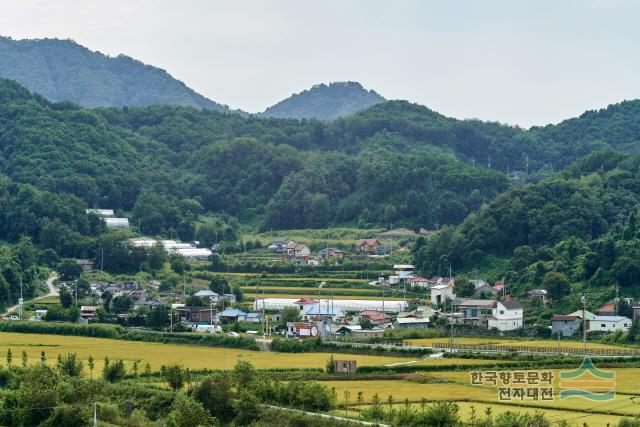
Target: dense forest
491,189
62,70
325,102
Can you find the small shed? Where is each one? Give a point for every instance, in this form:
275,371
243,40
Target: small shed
345,366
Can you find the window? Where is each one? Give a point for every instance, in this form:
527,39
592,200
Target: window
501,311
602,325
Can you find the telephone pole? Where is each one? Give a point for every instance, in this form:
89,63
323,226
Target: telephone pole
583,299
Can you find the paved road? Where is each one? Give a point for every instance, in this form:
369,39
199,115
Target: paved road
52,292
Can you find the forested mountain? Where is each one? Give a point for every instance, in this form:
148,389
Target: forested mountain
581,224
325,102
62,70
394,162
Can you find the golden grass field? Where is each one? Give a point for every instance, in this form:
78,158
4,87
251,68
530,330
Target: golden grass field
575,410
510,342
156,354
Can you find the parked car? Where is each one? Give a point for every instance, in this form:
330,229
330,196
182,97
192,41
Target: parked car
233,334
14,317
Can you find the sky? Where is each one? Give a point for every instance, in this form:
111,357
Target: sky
518,62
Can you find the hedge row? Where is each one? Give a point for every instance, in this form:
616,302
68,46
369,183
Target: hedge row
121,333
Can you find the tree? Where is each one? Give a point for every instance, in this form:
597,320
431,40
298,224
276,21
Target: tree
194,301
9,357
174,375
237,291
215,394
65,298
186,412
219,285
157,257
91,364
243,374
464,287
365,323
70,365
158,317
247,408
290,314
329,366
69,269
43,357
556,284
113,371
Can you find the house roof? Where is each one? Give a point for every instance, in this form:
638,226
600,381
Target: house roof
206,293
609,318
488,303
373,315
511,305
419,280
369,242
498,286
440,287
408,320
305,301
298,247
607,307
336,250
578,313
232,312
561,317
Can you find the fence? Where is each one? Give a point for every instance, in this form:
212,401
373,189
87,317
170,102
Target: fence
575,351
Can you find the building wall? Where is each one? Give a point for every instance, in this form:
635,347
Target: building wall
566,328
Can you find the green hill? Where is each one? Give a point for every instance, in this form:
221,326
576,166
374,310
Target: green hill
325,102
62,70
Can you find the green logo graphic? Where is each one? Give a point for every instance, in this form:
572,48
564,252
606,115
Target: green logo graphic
588,382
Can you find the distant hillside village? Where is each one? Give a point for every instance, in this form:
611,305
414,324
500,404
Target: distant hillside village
403,299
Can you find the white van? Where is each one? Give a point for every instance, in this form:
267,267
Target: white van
209,328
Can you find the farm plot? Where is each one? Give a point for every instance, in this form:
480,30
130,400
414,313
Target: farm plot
156,354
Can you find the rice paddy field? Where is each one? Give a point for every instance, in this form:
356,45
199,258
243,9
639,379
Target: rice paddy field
511,342
456,386
157,354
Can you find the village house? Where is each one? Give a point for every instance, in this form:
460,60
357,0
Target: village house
206,293
233,315
254,318
506,316
86,264
411,323
197,314
608,324
419,282
298,251
88,311
279,245
441,293
565,325
330,253
422,312
367,246
483,290
476,311
323,313
374,316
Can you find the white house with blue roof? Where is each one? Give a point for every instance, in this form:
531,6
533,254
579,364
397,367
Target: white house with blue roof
608,324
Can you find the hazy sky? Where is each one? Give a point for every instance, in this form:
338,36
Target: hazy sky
525,63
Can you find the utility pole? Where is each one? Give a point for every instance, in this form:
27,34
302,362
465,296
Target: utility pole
95,415
210,317
617,301
489,164
264,317
21,301
583,299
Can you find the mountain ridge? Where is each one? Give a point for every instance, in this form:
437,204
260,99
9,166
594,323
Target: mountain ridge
64,70
325,102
